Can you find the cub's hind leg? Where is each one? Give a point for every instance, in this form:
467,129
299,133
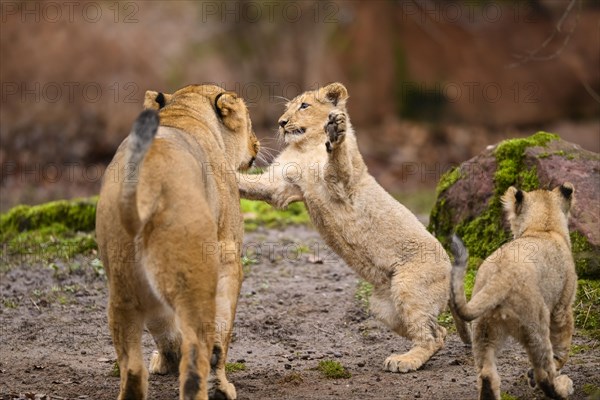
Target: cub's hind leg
487,339
536,340
416,316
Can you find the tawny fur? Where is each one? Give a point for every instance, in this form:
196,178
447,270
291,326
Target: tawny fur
525,289
376,235
169,230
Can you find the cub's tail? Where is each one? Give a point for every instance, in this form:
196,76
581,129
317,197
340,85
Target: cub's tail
458,274
487,298
140,138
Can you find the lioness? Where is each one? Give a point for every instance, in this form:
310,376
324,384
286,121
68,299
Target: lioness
377,236
525,289
169,230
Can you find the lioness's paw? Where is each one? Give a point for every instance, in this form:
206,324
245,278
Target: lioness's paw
402,363
335,128
159,365
223,391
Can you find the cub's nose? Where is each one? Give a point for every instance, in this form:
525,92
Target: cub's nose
283,123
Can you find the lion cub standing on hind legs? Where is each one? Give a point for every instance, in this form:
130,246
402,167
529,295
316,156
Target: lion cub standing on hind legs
169,230
525,289
377,236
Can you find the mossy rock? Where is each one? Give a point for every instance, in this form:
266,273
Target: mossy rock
468,196
63,215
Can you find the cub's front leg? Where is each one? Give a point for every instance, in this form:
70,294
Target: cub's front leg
339,170
270,188
335,128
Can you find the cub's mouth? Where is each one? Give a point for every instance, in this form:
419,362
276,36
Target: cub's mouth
297,131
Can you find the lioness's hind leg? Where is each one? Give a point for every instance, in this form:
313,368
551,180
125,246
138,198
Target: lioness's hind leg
165,360
126,326
229,285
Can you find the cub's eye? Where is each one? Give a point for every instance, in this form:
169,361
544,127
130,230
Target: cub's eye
304,105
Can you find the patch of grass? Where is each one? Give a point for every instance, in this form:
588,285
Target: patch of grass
258,213
234,367
587,307
333,370
294,378
587,261
578,349
9,303
363,293
506,396
115,370
445,319
591,390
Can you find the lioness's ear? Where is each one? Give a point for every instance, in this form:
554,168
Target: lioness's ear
155,100
227,105
335,93
512,200
566,191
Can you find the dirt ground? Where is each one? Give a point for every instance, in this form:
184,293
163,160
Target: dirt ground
292,314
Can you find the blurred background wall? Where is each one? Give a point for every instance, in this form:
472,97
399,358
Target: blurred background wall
432,83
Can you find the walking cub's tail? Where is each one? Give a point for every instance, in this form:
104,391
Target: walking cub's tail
139,141
488,297
457,289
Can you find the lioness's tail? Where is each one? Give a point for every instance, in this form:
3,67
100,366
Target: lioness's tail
487,298
140,138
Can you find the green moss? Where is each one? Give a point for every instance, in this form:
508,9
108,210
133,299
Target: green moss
234,367
447,180
59,229
63,215
587,262
257,213
333,370
485,233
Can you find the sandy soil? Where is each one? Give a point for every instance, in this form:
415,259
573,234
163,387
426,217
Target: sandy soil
292,313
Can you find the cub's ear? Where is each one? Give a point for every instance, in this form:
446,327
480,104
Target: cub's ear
512,200
156,100
229,107
335,93
566,191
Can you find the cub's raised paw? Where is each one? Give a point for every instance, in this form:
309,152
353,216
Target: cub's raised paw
335,128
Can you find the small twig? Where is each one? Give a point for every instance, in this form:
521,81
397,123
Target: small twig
36,306
533,55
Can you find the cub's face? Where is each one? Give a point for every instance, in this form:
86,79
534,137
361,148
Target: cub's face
205,102
306,115
539,210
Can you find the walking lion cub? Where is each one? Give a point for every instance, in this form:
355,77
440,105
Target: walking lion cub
525,289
